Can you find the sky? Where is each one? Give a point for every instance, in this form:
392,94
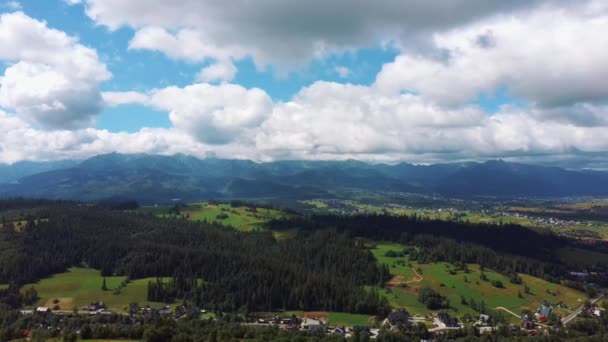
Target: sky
380,81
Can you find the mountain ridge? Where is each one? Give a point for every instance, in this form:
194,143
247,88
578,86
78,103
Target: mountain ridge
156,178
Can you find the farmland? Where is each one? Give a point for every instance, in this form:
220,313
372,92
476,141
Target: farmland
457,285
82,286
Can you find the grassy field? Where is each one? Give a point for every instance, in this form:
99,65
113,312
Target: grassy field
335,318
242,218
468,285
81,286
349,320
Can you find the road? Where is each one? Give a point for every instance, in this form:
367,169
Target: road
578,311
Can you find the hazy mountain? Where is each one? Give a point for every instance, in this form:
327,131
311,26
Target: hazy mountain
11,173
499,178
152,179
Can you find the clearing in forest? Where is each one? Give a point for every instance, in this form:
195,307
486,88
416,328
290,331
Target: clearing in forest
460,287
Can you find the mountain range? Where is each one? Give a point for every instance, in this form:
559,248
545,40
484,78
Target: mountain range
161,179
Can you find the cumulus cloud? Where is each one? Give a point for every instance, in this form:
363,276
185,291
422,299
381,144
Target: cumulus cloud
54,79
343,71
220,71
545,63
284,33
330,120
214,114
48,97
419,109
117,98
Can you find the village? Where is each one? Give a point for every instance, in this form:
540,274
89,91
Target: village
348,207
541,322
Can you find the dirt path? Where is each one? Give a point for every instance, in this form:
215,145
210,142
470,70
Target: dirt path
416,279
507,310
398,280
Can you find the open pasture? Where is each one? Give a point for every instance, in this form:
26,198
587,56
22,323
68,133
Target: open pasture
82,286
460,287
242,218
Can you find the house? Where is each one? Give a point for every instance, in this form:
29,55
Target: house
527,324
165,311
397,318
180,311
339,331
293,320
362,330
313,325
483,320
43,311
449,322
133,308
543,313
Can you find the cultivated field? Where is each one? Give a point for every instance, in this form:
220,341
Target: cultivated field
402,290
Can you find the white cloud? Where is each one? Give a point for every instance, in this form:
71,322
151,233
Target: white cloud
73,2
117,98
284,33
343,71
214,114
337,121
550,57
54,79
220,71
417,110
14,5
48,97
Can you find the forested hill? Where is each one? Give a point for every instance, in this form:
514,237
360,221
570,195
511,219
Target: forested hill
210,264
326,266
159,179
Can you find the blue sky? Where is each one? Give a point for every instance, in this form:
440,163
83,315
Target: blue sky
391,81
144,70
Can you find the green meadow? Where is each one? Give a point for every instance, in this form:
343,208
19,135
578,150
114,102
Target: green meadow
349,320
81,286
241,218
456,285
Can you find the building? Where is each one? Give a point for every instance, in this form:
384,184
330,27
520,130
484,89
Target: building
397,318
484,320
313,325
543,313
43,311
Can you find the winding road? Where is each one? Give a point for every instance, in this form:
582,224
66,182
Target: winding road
578,311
